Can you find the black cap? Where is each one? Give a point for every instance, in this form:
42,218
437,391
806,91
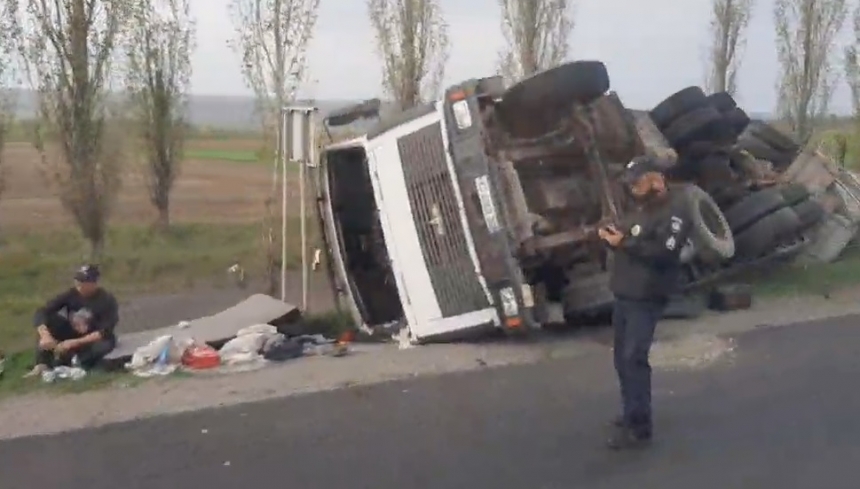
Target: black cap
638,167
88,273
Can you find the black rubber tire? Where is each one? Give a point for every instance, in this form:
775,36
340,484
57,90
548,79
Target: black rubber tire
536,105
587,295
768,232
686,306
753,208
678,104
809,213
737,120
698,125
794,193
774,138
722,101
762,151
710,232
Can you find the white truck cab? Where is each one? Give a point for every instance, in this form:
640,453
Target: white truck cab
402,245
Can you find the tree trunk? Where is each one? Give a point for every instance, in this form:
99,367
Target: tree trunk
97,247
162,222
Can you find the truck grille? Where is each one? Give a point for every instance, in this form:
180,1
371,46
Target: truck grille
440,230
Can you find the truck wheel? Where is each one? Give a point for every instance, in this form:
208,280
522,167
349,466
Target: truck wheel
761,150
536,105
754,207
774,138
766,234
678,104
809,213
830,239
686,306
587,295
722,101
794,193
737,120
700,124
710,232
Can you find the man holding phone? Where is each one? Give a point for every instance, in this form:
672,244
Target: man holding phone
645,272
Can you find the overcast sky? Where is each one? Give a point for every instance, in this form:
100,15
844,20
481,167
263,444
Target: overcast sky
652,48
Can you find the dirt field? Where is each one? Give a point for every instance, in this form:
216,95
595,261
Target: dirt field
206,191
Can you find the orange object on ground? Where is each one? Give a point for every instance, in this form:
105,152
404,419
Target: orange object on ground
201,357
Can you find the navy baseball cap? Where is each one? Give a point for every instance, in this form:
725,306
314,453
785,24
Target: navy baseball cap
637,168
88,273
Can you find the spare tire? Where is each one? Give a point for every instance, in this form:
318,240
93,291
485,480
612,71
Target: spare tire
768,232
710,232
762,151
737,120
537,104
722,101
794,193
754,207
678,104
809,213
774,138
699,124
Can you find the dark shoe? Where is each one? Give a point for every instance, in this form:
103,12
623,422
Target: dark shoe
626,439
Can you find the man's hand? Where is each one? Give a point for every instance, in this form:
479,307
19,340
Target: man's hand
46,341
611,235
64,346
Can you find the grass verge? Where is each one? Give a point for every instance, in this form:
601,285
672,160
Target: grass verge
234,156
814,279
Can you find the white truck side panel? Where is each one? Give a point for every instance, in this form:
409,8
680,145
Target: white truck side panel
421,308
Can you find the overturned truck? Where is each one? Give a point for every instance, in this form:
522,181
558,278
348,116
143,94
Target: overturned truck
480,210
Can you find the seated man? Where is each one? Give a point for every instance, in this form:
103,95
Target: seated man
85,330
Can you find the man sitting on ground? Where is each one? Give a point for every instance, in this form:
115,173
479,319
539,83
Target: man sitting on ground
78,322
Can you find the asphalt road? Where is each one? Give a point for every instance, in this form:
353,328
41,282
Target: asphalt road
783,413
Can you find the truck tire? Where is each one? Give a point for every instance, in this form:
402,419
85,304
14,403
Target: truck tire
774,138
809,213
768,232
830,239
587,295
737,120
686,306
753,208
678,104
536,105
697,125
722,101
761,150
794,194
710,232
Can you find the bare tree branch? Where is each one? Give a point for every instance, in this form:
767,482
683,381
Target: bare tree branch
67,49
536,34
412,40
8,73
806,33
852,63
272,37
158,51
729,21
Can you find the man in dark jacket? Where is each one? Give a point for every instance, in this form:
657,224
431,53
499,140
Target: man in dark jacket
645,271
78,322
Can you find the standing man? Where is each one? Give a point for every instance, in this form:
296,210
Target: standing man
78,322
645,272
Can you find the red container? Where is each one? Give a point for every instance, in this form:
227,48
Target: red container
201,357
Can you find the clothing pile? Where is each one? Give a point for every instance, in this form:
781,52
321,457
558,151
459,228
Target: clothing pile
253,347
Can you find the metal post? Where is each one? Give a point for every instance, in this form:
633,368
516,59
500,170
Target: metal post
300,130
284,157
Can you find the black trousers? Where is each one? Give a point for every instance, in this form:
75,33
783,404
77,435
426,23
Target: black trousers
89,355
634,323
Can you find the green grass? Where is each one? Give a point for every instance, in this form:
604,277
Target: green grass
136,260
234,156
814,279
